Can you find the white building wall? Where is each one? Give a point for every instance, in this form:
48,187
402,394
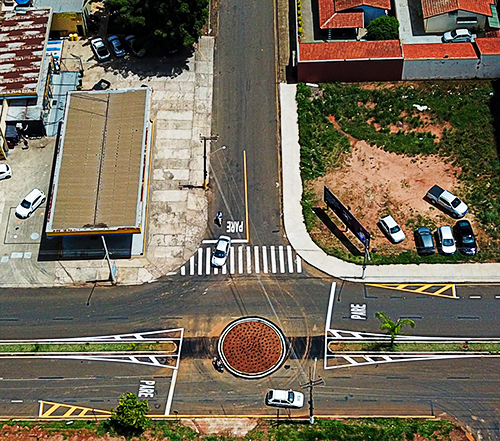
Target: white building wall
489,66
446,22
439,69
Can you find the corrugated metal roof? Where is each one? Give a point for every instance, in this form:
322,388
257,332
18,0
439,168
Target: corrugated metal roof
350,50
60,5
438,51
99,172
22,44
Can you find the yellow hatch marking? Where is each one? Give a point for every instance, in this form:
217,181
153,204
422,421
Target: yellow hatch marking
420,288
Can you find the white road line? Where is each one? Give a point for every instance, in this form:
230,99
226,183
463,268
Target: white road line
329,319
207,266
191,265
212,241
216,270
171,392
273,259
290,258
299,263
240,260
183,270
256,258
200,261
249,260
224,268
474,297
281,254
231,261
264,259
497,297
16,401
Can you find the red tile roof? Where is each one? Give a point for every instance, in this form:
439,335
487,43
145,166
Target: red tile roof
342,5
345,20
431,8
488,46
350,50
438,51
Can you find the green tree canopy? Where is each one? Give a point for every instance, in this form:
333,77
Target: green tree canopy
393,328
130,414
383,28
161,25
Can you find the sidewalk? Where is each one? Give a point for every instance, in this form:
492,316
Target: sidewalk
299,238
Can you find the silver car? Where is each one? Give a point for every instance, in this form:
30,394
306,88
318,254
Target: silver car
221,251
100,50
30,203
284,398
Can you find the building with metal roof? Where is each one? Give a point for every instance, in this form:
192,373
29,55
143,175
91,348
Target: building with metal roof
100,174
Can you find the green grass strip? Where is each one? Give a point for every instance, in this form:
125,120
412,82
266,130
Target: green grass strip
88,347
464,346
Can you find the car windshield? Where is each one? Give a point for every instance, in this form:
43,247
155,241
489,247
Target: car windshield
290,397
102,50
454,33
395,229
25,204
118,46
448,242
467,239
455,202
219,253
427,240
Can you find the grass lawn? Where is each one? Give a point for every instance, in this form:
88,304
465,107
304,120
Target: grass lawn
468,113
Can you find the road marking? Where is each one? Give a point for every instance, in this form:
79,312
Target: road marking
329,312
419,288
474,297
183,271
299,264
246,194
240,260
171,393
231,261
249,260
16,401
273,259
224,268
281,258
70,411
191,266
200,257
214,241
256,259
207,269
264,259
290,258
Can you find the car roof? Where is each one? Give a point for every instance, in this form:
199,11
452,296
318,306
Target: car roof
424,230
4,167
280,394
462,32
389,220
446,231
33,194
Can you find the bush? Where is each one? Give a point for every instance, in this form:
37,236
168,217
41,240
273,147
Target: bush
383,28
130,414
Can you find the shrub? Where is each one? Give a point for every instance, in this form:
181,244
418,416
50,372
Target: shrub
383,28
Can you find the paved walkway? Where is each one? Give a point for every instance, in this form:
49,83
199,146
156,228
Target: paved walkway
299,238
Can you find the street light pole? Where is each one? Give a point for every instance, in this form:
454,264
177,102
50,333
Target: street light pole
205,165
310,385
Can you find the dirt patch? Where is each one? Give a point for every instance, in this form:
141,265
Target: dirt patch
374,183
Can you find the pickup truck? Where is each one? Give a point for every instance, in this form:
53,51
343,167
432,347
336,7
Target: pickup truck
448,201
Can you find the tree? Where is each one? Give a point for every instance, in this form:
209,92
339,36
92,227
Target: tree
393,328
161,25
130,414
383,28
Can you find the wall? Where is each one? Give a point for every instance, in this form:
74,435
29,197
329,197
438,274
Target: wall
439,69
489,66
446,22
350,70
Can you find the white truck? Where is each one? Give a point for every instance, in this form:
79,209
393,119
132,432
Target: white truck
453,205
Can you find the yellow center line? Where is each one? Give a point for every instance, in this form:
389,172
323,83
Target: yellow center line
246,194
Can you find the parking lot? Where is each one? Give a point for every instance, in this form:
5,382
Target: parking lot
181,112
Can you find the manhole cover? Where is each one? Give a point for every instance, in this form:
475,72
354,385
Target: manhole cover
252,347
34,236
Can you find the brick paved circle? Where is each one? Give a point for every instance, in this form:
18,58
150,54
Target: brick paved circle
252,347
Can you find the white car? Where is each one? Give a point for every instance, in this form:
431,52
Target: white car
5,171
100,50
457,36
446,240
392,229
116,45
284,398
30,203
221,251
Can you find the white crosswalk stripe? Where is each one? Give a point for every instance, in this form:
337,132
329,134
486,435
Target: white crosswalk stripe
245,259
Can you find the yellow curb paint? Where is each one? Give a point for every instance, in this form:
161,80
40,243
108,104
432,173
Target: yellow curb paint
420,288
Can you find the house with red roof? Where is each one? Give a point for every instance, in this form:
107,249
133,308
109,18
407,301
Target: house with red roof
443,15
339,17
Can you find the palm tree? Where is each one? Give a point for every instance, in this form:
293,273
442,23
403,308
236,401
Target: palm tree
394,328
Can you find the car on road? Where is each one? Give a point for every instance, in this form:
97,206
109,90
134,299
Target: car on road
30,203
221,251
116,45
284,398
389,226
131,41
457,36
466,242
424,241
100,50
446,240
5,171
102,84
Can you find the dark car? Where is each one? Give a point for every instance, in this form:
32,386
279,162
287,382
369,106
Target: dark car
102,85
466,242
424,241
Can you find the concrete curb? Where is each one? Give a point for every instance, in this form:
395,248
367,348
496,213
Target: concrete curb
303,244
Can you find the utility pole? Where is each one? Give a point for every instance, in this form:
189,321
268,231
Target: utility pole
205,165
310,385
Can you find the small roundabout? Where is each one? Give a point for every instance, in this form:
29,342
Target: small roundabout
252,347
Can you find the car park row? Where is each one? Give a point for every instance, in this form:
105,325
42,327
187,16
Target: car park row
102,52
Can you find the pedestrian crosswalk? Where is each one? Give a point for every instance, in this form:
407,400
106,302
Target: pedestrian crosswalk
245,259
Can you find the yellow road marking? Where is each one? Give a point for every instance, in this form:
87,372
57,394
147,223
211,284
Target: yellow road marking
420,288
246,194
84,412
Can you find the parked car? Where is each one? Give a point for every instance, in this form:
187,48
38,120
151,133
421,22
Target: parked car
466,242
284,398
221,251
100,50
131,41
5,171
392,229
116,45
457,36
102,84
446,240
424,241
447,201
30,203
